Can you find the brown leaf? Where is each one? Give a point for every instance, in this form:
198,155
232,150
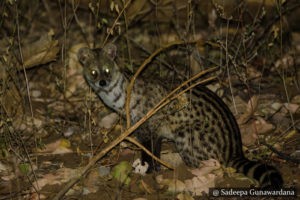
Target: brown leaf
291,107
109,121
206,167
173,185
206,176
146,187
40,52
61,176
251,108
91,182
184,196
248,133
58,147
200,184
135,9
252,129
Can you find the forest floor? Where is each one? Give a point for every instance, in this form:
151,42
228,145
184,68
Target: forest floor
52,124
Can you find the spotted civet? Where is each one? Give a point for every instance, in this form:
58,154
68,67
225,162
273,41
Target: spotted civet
201,129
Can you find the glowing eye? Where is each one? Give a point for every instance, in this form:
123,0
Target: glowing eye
106,71
94,74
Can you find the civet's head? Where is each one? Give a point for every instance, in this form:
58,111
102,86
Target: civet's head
99,67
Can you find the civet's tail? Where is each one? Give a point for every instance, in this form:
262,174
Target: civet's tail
267,176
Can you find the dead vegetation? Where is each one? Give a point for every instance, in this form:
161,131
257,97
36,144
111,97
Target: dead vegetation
52,125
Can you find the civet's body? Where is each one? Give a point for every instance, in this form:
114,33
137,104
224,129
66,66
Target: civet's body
199,123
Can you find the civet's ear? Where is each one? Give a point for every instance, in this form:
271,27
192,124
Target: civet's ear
111,50
85,55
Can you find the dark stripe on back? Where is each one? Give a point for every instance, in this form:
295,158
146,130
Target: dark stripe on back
219,134
218,103
229,120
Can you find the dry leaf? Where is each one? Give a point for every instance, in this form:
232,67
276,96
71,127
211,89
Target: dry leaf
3,167
74,71
104,171
291,107
291,134
200,184
40,52
240,105
206,176
251,130
207,166
252,72
36,93
146,187
174,185
135,9
276,106
36,196
58,147
91,182
109,120
184,196
262,126
69,132
174,159
296,99
251,108
61,176
248,133
285,62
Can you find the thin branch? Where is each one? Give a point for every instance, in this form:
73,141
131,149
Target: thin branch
116,20
127,132
281,154
140,69
29,101
134,141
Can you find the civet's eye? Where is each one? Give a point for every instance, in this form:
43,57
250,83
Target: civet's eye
106,71
94,74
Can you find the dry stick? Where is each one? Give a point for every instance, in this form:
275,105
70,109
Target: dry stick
207,80
202,73
134,141
116,20
29,100
169,97
140,69
127,132
166,101
101,154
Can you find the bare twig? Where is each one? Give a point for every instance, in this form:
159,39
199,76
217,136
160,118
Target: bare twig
29,99
134,141
281,154
116,20
127,132
140,69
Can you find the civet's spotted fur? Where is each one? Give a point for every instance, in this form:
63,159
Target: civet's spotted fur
200,123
